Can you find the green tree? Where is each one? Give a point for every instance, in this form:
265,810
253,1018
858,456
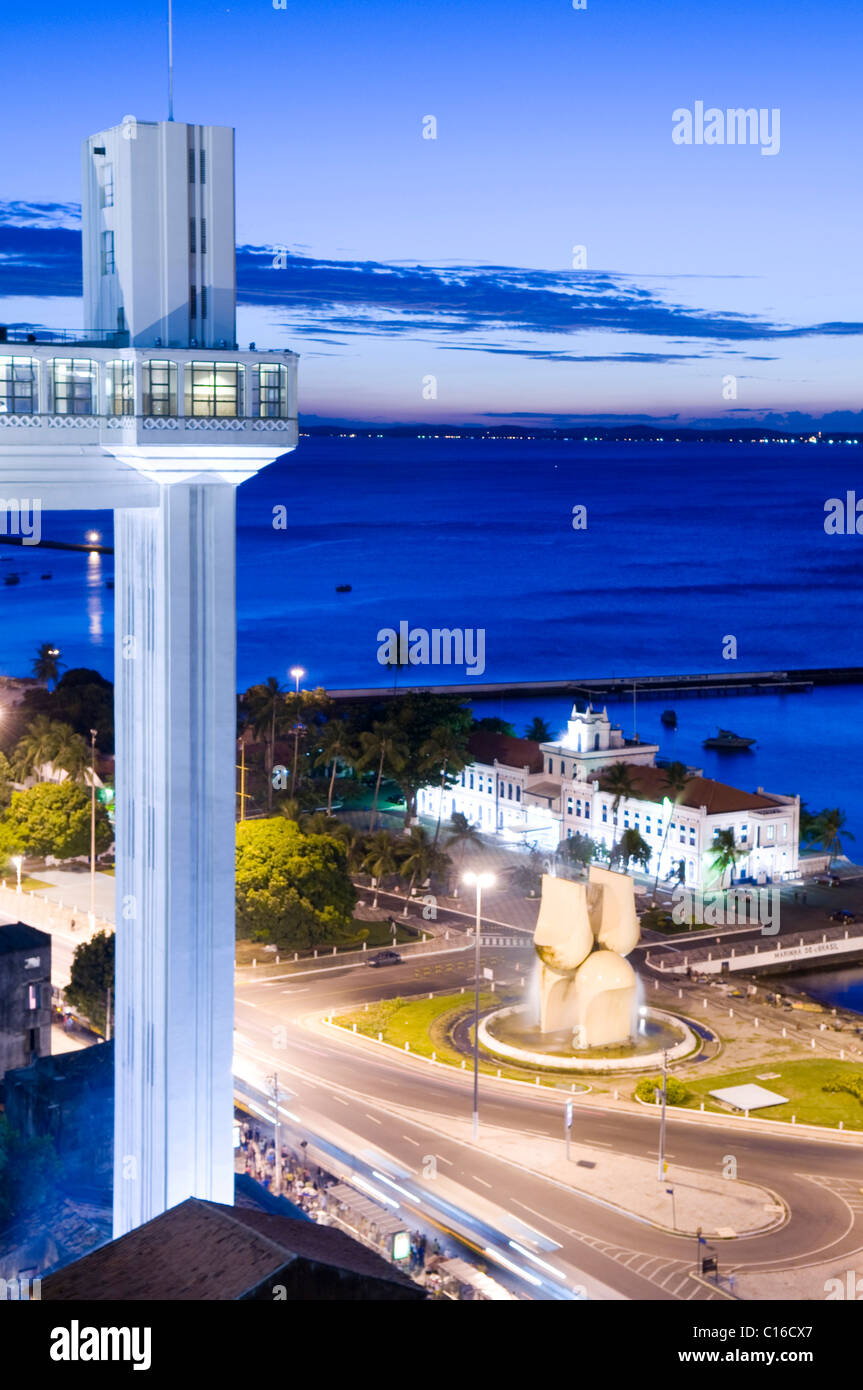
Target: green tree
445,750
6,780
631,846
462,832
292,889
381,859
676,780
421,859
47,663
578,849
266,707
831,824
538,730
617,780
90,978
420,719
28,1167
724,855
354,841
382,747
52,818
491,724
338,748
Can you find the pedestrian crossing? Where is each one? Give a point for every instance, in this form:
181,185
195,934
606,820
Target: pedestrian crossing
673,1276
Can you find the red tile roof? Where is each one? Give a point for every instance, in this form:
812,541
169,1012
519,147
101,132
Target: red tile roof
512,752
649,785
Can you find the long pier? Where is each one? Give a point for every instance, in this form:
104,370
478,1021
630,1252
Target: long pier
798,681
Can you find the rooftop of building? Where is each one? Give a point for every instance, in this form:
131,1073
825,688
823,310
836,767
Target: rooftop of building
202,1250
16,936
649,784
513,752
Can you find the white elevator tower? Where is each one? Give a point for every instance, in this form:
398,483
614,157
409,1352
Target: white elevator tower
151,410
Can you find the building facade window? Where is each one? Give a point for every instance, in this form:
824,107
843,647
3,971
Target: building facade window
192,237
106,196
159,388
73,382
18,385
518,793
193,302
191,166
107,253
203,301
272,391
203,236
202,164
214,388
120,387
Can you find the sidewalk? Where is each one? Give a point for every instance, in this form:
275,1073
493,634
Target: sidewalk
721,1208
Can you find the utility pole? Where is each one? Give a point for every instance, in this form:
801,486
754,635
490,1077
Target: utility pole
568,1125
479,881
297,672
108,1017
661,1173
242,777
277,1175
93,733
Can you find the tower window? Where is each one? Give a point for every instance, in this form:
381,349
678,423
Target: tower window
214,388
203,235
202,161
203,301
159,379
272,391
107,253
193,302
72,381
191,166
107,186
18,378
192,235
120,378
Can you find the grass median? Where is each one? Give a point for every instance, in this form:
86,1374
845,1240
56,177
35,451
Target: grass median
802,1082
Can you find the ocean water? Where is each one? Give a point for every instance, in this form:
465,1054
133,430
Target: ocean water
686,545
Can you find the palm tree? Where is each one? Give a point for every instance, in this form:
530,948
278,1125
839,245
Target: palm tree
46,741
617,779
538,730
380,859
675,782
831,824
337,747
383,744
46,666
421,859
354,842
265,703
464,834
72,755
725,854
446,749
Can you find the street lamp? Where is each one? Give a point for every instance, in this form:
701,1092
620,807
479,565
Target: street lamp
297,673
18,860
93,733
479,881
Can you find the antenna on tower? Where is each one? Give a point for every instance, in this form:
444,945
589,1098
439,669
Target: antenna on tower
170,61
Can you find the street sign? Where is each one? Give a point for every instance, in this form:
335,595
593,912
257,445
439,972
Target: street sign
401,1245
487,974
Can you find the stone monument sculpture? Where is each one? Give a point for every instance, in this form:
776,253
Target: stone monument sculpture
582,937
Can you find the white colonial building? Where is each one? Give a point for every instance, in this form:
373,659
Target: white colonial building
541,794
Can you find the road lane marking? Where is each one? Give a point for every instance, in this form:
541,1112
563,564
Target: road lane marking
412,1141
482,1180
373,1118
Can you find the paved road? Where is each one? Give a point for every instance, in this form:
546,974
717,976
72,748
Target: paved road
339,1080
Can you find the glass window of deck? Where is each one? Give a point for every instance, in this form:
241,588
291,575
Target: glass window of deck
73,385
18,385
272,391
159,380
214,388
120,385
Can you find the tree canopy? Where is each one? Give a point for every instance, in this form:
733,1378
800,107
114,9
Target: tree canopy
90,978
52,818
292,889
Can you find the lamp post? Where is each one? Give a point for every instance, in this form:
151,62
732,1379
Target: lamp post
661,1173
93,733
297,673
18,860
479,881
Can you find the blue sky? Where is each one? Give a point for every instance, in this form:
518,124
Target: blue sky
453,257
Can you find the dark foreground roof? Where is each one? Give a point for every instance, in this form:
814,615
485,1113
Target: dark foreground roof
206,1251
16,936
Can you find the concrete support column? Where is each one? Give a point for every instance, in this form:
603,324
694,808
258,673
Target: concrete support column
176,718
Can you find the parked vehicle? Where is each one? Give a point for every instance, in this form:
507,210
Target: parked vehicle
828,880
843,915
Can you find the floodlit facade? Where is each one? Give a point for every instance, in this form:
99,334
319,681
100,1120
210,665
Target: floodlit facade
540,794
151,410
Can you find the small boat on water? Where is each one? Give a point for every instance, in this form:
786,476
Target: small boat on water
669,718
725,740
46,576
12,579
343,588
